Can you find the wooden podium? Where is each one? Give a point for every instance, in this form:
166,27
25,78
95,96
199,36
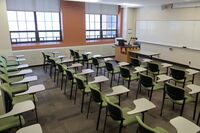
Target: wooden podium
122,52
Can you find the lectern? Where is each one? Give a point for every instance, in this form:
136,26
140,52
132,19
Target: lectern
122,52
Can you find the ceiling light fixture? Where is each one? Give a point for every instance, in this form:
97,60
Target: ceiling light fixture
130,5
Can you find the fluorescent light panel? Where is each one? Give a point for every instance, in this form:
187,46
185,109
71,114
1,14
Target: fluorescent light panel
130,5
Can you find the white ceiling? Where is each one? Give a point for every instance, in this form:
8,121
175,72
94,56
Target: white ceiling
140,2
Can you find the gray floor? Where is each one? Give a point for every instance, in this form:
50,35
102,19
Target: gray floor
58,114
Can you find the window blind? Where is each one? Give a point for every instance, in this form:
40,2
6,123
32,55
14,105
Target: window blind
33,5
93,8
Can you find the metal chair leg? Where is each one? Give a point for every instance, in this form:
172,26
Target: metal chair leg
104,127
98,119
120,127
58,75
151,93
83,95
198,119
97,71
75,95
36,115
173,106
138,90
118,80
65,85
182,108
62,81
71,90
111,80
54,75
89,106
163,102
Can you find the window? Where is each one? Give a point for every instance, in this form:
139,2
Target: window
100,26
48,26
27,26
21,26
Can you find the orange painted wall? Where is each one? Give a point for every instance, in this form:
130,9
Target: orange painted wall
73,15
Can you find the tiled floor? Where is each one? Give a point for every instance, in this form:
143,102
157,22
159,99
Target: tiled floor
58,114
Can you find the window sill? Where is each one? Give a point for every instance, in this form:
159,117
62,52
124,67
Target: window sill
34,44
23,46
101,41
26,46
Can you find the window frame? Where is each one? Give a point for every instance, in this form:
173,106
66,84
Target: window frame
36,31
101,30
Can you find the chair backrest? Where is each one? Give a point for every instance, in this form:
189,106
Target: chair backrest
96,94
76,54
5,88
3,70
125,73
95,61
174,92
3,59
143,128
177,73
60,67
146,80
114,110
64,67
135,62
109,66
44,56
80,82
71,52
48,57
4,78
3,64
52,62
70,75
153,67
85,57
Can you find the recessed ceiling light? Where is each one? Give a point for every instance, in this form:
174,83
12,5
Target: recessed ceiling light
130,5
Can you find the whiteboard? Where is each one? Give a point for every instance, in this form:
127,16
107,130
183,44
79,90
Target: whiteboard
170,33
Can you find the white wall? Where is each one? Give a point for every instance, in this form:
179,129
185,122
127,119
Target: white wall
124,21
131,23
129,20
34,56
5,45
179,55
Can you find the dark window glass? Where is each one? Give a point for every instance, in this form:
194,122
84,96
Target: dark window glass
28,26
100,26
